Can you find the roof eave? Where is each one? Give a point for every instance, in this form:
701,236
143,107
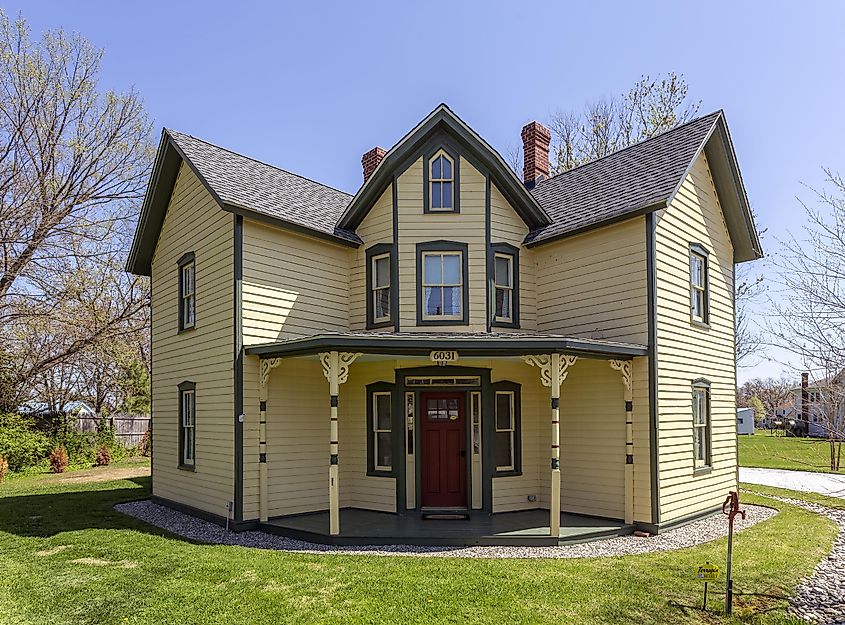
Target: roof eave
289,225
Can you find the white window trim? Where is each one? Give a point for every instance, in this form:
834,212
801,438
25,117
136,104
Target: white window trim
188,425
375,289
432,180
459,286
496,287
695,288
187,297
701,400
377,431
511,429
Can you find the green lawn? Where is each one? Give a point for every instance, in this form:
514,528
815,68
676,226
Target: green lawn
784,452
67,557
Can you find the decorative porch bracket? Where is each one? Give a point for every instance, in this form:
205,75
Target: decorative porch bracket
336,369
553,371
265,366
625,368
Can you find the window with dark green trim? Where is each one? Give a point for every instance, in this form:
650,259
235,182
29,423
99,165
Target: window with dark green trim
507,426
441,179
699,284
702,434
187,292
442,283
187,425
503,273
380,429
382,286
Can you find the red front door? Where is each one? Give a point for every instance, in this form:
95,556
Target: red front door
444,469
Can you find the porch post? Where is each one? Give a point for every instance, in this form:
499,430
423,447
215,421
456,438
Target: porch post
624,367
552,374
265,366
336,369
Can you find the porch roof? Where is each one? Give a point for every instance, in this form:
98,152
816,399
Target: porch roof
466,343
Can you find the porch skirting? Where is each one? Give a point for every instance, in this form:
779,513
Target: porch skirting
366,527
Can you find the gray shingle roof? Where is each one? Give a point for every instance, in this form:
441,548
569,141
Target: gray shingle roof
246,183
622,183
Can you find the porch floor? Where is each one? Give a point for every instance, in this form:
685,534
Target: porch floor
365,527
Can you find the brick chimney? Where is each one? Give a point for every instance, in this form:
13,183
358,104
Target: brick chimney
370,161
805,402
535,149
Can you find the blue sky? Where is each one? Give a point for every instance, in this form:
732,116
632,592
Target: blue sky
311,86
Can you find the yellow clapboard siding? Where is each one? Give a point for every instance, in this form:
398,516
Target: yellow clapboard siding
607,301
686,352
194,222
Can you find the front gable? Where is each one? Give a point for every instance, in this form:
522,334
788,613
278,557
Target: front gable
442,129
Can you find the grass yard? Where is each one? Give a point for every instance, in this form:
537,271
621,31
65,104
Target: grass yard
784,452
67,557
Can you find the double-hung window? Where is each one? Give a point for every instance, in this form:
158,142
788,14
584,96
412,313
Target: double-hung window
443,285
381,288
505,430
441,182
187,424
698,284
701,424
187,292
380,429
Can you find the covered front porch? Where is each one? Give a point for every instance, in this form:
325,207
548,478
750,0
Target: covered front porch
480,438
367,527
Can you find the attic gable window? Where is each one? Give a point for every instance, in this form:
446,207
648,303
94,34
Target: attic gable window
441,193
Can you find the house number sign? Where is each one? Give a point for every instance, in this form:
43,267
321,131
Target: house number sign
443,357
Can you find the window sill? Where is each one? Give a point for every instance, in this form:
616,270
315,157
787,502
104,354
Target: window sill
702,325
187,467
460,321
512,473
441,211
379,324
702,471
505,324
375,473
188,329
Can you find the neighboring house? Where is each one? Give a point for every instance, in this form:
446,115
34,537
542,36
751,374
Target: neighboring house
76,408
813,420
745,420
451,341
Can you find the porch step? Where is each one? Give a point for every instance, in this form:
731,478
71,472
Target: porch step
459,514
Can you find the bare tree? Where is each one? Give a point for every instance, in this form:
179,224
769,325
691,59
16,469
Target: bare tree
650,107
73,166
809,306
772,392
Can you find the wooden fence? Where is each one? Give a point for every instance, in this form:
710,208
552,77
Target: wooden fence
128,428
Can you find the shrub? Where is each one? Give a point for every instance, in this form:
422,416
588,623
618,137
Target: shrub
21,444
103,456
145,447
4,468
81,447
58,460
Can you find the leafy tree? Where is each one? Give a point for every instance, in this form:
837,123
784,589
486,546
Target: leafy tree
759,409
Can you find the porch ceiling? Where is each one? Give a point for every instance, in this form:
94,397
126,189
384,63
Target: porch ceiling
489,344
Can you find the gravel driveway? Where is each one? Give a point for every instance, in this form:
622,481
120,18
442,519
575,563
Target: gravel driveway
804,481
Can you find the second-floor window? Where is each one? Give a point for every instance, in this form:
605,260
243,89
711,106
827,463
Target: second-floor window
187,292
381,288
442,285
503,282
698,284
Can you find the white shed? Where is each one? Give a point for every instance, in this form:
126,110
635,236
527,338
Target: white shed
745,420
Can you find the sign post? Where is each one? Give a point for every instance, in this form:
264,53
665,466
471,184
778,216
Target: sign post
731,508
707,573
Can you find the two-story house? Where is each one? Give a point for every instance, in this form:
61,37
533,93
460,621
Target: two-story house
544,359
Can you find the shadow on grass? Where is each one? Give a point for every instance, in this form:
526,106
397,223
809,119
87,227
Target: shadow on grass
79,507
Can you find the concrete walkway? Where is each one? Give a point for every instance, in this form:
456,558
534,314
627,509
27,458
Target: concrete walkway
805,481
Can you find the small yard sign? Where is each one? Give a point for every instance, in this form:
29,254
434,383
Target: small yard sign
707,572
442,357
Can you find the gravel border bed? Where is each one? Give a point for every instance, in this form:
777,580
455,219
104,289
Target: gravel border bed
695,533
820,597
